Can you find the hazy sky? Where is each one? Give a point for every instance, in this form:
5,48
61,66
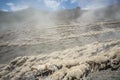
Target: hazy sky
15,5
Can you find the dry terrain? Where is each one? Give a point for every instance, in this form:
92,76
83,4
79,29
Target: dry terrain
65,52
71,44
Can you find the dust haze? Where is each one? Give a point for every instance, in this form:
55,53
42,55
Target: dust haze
69,44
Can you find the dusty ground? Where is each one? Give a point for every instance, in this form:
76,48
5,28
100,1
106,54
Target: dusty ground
65,52
34,42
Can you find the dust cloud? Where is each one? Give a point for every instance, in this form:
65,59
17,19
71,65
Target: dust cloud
69,44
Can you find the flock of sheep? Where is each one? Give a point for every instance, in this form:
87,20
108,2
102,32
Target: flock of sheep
48,67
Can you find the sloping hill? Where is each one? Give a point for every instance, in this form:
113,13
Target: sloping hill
53,46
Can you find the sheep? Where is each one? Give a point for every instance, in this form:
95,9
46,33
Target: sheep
13,62
115,58
73,74
98,62
21,61
114,53
45,69
59,75
115,64
77,72
70,63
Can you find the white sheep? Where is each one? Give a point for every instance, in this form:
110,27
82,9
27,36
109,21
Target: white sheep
70,63
114,56
77,72
59,75
98,62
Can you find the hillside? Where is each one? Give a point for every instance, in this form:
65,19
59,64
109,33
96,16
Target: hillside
71,44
